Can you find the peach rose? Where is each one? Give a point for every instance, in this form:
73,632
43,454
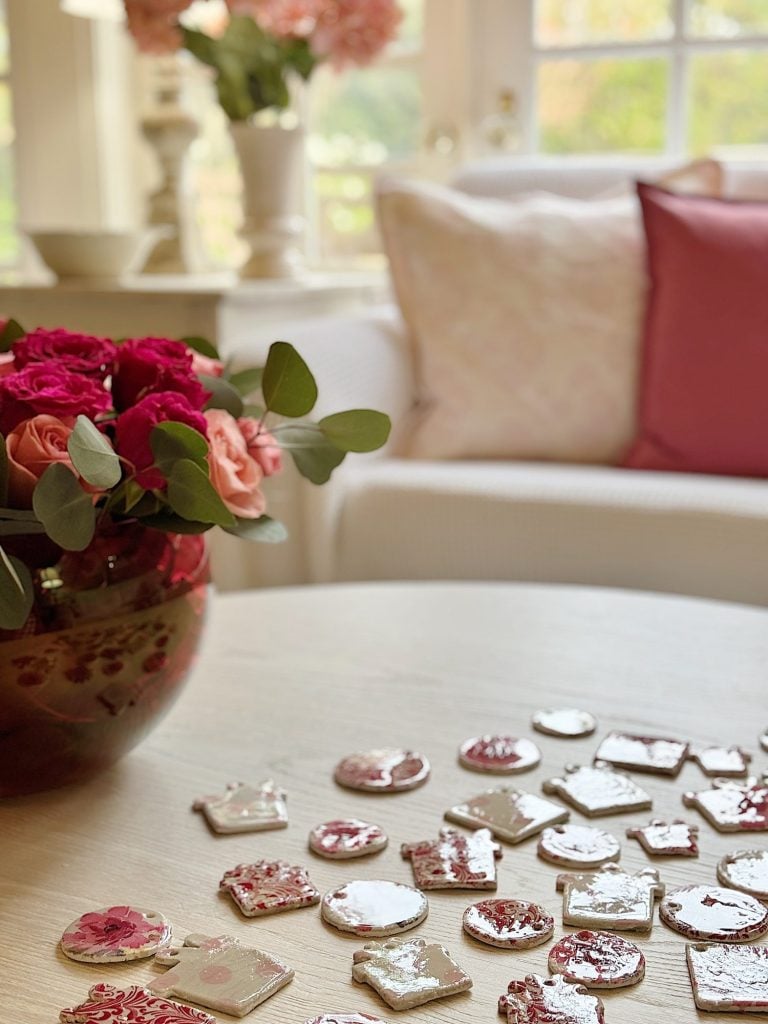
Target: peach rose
32,447
261,445
235,475
204,364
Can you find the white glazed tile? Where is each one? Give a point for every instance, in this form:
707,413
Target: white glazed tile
409,972
499,754
598,789
721,761
454,860
568,723
512,815
245,808
540,1000
578,846
220,973
713,913
387,770
508,924
746,870
659,839
643,753
733,806
610,898
729,977
346,838
374,907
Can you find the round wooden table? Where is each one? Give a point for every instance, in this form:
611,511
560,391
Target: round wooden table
291,680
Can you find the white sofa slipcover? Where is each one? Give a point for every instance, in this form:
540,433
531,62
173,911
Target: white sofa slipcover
388,518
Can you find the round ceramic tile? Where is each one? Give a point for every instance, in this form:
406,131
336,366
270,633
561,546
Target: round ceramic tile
578,846
567,722
597,960
383,771
746,870
114,934
510,924
713,913
374,907
345,838
345,1018
502,755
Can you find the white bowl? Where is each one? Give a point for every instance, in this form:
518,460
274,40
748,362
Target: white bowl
91,255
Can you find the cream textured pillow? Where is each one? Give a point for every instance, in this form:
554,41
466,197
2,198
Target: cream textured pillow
526,318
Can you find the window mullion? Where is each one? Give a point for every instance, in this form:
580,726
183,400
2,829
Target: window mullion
677,98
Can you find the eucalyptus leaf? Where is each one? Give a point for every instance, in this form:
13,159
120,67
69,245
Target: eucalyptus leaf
93,456
171,441
256,412
191,495
263,529
3,471
64,509
356,430
169,523
245,382
10,333
287,385
201,345
223,395
16,592
314,456
132,495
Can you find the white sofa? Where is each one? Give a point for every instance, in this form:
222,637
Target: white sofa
388,518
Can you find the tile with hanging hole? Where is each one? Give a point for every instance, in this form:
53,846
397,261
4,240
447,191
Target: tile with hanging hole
733,805
713,913
538,1000
610,898
659,839
454,860
578,846
269,887
598,789
244,808
409,972
728,977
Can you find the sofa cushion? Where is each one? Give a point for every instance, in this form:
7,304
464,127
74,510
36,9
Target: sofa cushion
704,389
597,525
525,319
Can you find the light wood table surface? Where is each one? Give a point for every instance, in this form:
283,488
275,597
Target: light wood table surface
288,682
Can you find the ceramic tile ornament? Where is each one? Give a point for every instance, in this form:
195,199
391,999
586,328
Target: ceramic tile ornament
729,977
746,870
245,808
764,739
540,1000
597,960
501,755
409,972
733,806
578,846
107,1004
568,723
374,907
220,973
512,815
643,753
454,860
269,887
115,934
610,898
508,924
346,838
598,789
659,839
345,1018
722,761
383,771
715,914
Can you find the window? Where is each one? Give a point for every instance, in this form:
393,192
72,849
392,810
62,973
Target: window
9,242
647,76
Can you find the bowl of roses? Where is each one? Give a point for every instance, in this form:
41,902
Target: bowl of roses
116,459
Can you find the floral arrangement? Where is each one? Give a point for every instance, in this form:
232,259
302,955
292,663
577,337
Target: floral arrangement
261,44
152,431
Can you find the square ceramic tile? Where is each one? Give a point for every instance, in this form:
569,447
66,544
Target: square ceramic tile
510,814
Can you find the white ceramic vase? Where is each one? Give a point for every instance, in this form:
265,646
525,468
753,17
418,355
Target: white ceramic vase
271,161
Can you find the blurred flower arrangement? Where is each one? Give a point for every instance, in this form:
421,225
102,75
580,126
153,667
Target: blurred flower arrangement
153,432
259,45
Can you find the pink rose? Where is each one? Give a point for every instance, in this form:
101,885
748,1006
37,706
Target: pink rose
134,426
354,31
49,388
7,364
207,366
32,447
82,353
262,447
234,474
286,19
147,365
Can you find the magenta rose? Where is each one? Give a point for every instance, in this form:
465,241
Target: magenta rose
49,389
134,426
147,365
82,353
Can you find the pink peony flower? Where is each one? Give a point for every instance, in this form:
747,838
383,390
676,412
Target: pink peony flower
354,31
82,353
114,928
134,426
286,19
262,447
234,473
49,388
32,447
147,365
206,365
7,364
153,24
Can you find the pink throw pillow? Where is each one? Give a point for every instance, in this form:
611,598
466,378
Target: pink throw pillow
704,380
